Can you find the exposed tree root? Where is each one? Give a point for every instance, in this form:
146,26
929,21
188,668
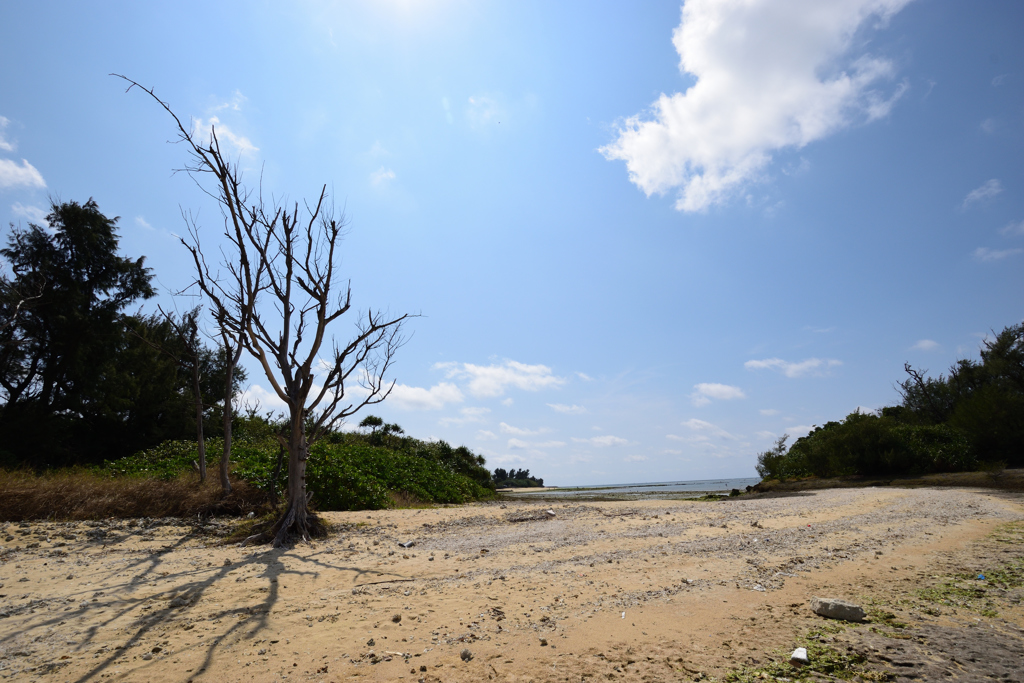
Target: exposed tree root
287,529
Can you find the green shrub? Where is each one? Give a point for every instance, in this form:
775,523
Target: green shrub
342,474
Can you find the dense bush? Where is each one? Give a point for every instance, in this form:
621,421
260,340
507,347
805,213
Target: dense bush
343,473
871,445
972,417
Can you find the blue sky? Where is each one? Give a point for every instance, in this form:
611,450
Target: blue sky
646,239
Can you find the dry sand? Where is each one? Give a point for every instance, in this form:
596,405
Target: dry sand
650,590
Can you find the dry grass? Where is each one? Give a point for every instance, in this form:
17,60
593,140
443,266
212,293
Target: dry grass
79,494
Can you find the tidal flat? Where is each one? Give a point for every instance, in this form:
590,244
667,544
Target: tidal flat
505,591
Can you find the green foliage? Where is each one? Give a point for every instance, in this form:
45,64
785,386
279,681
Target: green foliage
344,473
973,418
868,444
515,478
80,381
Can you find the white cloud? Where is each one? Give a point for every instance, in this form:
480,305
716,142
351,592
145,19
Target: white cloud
989,189
483,110
255,395
1013,229
492,380
769,411
986,254
507,401
25,175
5,144
925,345
706,428
602,441
1000,79
235,103
447,110
509,429
584,376
636,458
766,435
533,446
768,76
240,143
486,435
672,451
816,366
706,392
988,125
568,410
381,176
33,214
473,414
143,223
418,398
799,430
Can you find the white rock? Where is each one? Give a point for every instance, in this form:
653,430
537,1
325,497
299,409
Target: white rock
834,608
799,657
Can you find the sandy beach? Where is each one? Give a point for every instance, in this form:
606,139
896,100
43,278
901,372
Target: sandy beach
649,590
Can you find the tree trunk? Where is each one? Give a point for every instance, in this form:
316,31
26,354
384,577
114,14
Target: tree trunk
297,518
200,441
225,457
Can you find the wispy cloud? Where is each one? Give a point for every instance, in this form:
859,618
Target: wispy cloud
418,398
381,175
986,254
815,366
32,214
492,380
704,393
602,441
24,175
486,435
768,76
566,409
466,415
483,111
509,429
636,458
704,427
925,345
5,144
769,411
584,376
238,143
234,104
989,189
1015,228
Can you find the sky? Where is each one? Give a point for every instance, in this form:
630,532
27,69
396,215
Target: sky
645,239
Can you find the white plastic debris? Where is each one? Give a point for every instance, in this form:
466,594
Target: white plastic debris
549,513
623,615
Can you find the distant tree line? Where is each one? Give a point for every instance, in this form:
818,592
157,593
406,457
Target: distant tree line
969,418
515,478
81,379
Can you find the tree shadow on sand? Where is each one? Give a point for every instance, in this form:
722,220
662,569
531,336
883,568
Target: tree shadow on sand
177,604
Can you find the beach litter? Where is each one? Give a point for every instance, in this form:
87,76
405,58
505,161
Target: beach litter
407,544
549,513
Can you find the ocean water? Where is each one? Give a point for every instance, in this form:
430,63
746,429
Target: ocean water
648,489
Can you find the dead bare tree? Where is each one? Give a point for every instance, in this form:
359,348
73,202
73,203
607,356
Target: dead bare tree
289,258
